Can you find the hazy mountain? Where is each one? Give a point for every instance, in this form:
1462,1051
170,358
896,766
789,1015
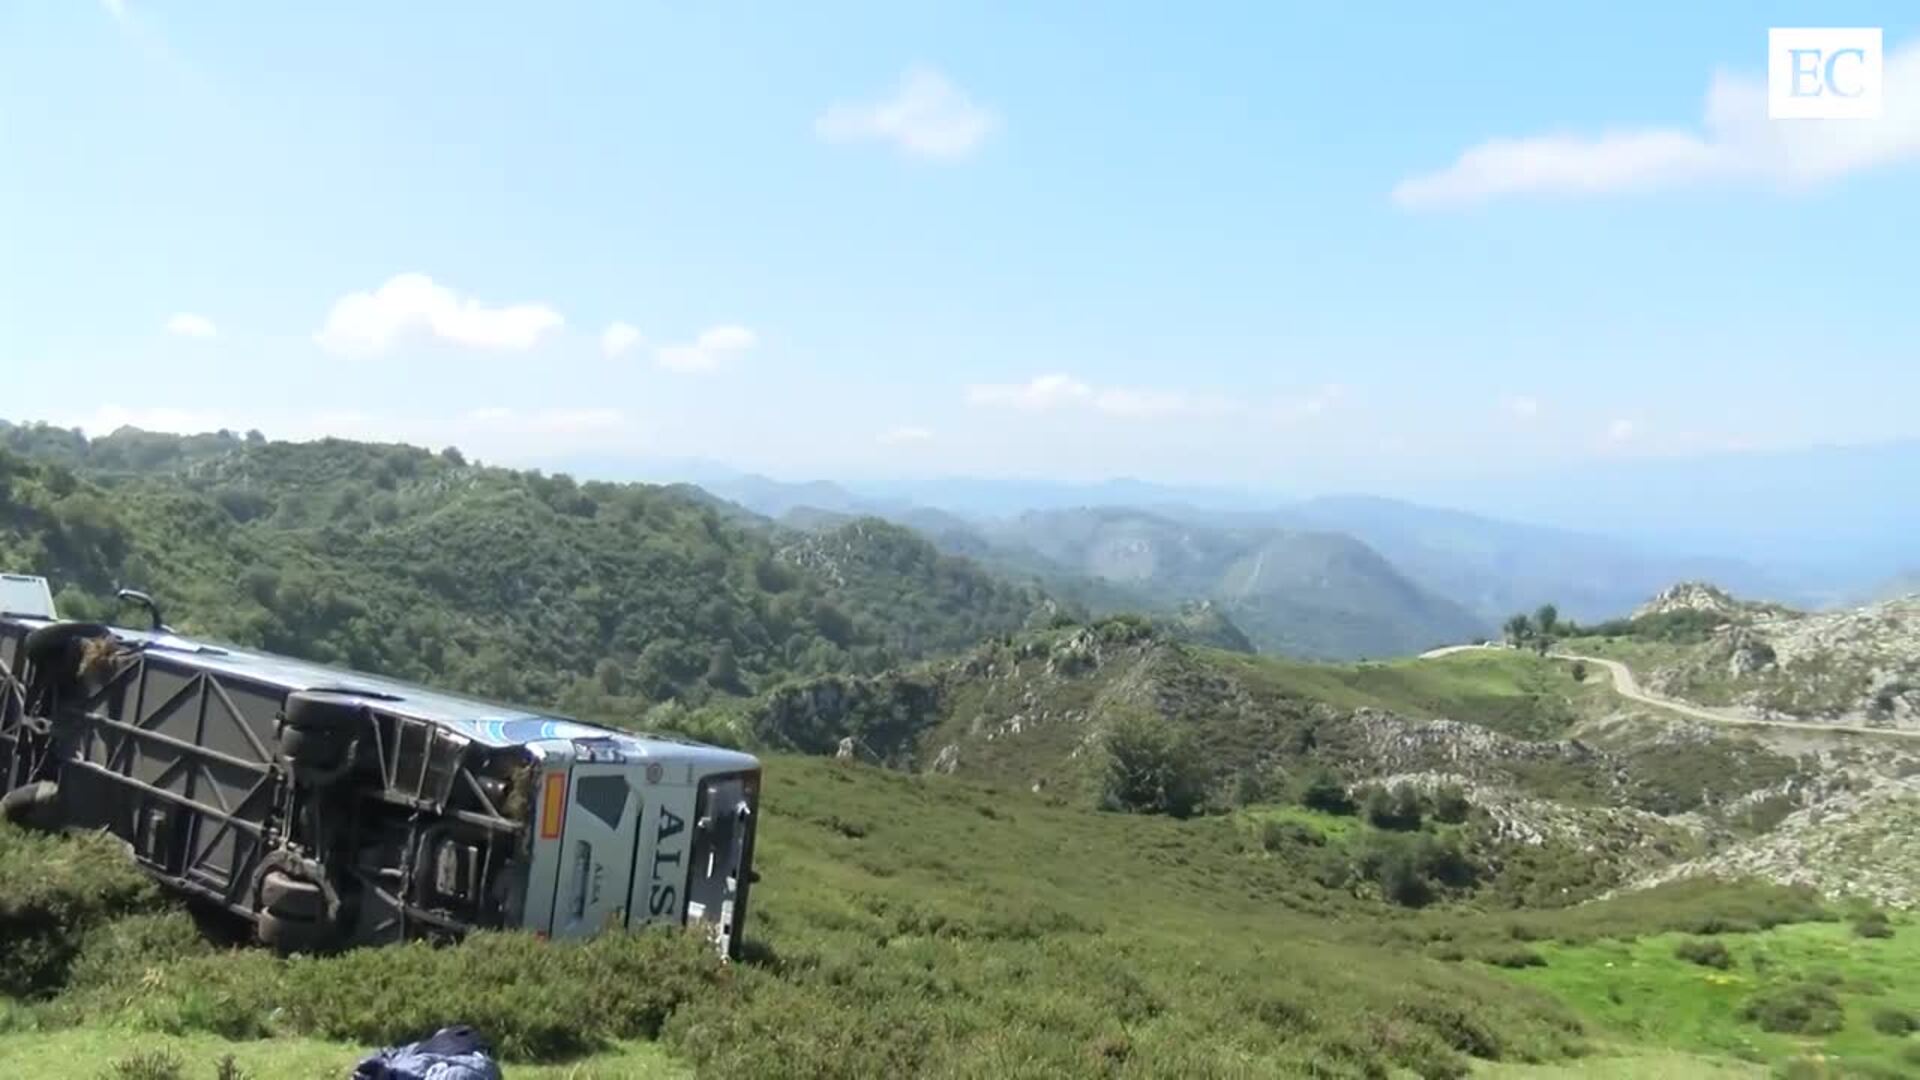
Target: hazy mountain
1495,568
1835,518
1304,593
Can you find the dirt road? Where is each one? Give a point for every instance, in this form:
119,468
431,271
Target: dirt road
1628,687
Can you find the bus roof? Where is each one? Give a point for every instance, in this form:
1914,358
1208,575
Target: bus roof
487,722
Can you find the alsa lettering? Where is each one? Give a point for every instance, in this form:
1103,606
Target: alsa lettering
662,893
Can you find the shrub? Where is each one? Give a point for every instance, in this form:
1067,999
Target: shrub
1873,924
53,891
1450,804
1579,671
1512,956
1801,1008
1896,1022
1276,835
1325,792
145,1065
1398,810
1153,767
1707,952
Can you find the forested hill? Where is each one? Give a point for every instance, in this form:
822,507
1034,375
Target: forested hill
602,599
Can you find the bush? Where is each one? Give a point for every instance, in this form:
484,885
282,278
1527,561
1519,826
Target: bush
53,891
1450,804
1873,924
1707,952
1325,792
1153,767
1802,1008
145,1065
1512,956
1398,810
1895,1022
1276,835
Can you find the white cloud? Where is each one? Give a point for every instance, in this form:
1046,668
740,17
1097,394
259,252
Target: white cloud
187,324
372,322
1621,431
1041,393
619,337
1123,401
1522,406
726,338
115,8
927,116
1736,144
708,350
902,435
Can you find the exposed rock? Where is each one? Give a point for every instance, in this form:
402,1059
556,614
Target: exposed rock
1690,596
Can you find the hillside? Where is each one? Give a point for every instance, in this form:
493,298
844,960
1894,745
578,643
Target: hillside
1856,666
932,926
604,599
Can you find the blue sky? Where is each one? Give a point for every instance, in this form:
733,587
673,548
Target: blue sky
1261,244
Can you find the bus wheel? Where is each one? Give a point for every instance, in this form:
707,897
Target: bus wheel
34,806
318,729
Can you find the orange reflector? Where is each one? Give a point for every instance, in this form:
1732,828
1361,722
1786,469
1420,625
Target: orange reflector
553,806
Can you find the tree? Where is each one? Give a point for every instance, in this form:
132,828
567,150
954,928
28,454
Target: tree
1519,629
723,671
1450,804
1547,618
1398,810
1324,792
1152,767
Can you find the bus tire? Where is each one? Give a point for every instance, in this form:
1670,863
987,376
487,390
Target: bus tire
34,806
319,710
317,729
312,749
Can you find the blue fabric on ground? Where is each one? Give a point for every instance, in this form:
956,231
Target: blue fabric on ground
454,1053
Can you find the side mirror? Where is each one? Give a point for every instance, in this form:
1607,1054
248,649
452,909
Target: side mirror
142,600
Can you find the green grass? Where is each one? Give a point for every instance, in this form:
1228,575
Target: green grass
1640,990
906,925
1627,1064
1507,691
87,1053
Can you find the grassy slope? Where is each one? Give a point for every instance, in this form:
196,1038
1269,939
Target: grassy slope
1510,692
87,1053
912,925
1642,991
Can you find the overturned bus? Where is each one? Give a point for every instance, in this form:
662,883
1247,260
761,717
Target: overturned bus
333,809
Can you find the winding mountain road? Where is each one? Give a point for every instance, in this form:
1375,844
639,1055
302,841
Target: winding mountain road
1628,687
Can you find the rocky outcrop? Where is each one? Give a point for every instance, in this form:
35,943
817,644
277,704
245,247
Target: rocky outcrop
1690,596
1862,844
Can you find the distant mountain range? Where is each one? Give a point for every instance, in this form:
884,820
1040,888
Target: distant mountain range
1361,558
